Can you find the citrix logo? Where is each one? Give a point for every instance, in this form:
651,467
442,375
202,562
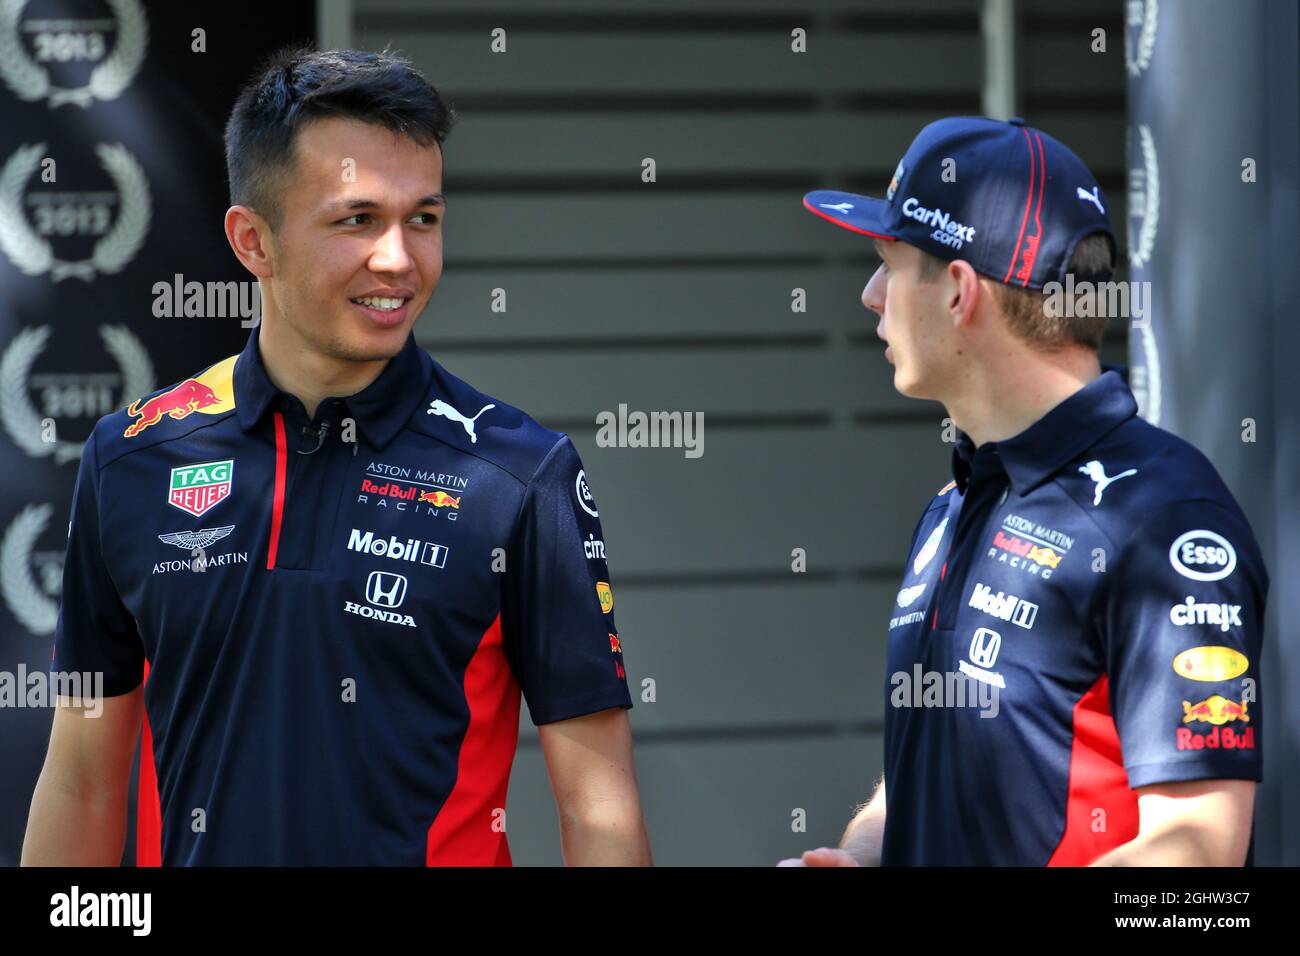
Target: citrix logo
946,229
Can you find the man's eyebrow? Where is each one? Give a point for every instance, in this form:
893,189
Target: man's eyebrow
433,199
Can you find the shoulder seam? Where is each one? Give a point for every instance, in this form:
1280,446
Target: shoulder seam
164,441
523,498
407,426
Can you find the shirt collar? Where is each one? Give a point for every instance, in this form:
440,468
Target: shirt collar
380,409
1049,444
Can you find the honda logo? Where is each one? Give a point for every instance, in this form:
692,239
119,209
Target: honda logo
984,647
386,589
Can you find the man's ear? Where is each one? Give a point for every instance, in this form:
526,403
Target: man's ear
249,236
962,292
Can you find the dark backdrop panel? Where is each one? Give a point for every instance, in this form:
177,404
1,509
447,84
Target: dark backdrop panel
139,197
1214,135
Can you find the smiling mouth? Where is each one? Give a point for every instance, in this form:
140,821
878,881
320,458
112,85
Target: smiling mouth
380,303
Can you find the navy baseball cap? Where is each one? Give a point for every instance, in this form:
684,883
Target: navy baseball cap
1005,197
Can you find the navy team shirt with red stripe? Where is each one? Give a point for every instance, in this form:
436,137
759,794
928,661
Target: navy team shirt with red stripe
1092,600
338,616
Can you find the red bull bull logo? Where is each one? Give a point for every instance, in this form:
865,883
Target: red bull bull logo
1044,557
1215,710
615,646
179,402
439,499
1219,712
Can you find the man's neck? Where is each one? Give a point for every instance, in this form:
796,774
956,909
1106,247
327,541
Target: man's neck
307,374
1000,400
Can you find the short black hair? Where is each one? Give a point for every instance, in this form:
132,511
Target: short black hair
298,84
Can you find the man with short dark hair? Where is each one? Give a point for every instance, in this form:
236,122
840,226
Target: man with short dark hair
1074,656
338,563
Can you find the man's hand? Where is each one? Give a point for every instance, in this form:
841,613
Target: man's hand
862,840
822,856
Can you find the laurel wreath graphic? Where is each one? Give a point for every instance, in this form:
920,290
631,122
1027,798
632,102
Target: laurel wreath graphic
30,81
1140,252
20,417
1151,361
34,256
30,605
1146,42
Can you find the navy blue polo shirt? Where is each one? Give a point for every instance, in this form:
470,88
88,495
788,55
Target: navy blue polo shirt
1081,615
337,615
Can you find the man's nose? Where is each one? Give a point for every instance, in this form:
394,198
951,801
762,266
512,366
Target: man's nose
390,253
873,295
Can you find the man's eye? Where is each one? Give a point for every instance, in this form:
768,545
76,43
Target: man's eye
430,218
349,221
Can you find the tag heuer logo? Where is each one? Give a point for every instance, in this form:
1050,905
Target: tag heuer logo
196,489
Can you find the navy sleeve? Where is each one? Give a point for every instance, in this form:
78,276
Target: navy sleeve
557,609
95,631
1183,624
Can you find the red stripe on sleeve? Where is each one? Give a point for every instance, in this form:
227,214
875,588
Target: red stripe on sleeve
1101,812
470,828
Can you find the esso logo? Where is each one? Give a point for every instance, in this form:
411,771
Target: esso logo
583,493
1203,556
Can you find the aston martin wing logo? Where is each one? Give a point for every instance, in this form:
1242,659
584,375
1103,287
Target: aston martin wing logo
189,540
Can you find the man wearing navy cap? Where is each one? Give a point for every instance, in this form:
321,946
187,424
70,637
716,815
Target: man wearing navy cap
1074,657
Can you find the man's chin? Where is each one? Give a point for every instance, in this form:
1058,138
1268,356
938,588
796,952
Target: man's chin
373,344
902,382
354,350
908,385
